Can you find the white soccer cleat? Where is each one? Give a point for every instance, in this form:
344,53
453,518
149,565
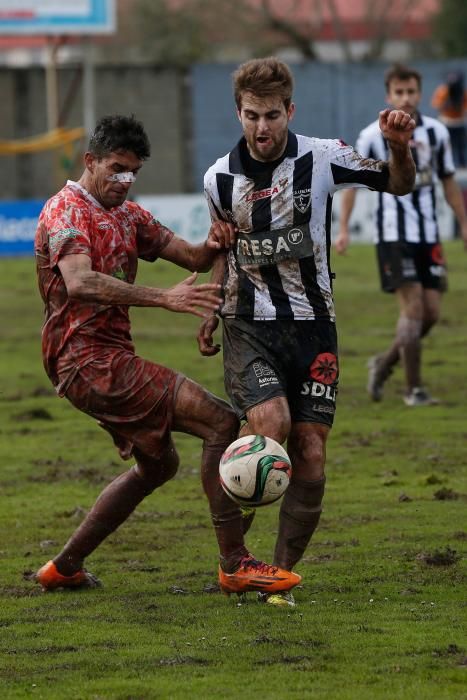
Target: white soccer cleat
419,397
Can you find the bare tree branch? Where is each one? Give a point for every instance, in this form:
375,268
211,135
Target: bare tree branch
301,40
340,31
386,21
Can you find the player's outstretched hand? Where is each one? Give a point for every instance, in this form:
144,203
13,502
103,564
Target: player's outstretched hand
185,297
342,242
205,340
222,234
396,126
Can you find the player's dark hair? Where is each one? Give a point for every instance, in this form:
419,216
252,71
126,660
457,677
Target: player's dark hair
118,133
401,72
263,77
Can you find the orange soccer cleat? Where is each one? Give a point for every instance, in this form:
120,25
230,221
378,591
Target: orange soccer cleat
50,579
254,575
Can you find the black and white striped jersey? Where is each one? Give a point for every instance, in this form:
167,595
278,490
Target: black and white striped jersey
280,267
412,217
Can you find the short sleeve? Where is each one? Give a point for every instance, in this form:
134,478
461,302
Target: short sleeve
212,197
349,168
67,228
151,235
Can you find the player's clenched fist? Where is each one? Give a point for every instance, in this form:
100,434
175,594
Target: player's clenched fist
396,125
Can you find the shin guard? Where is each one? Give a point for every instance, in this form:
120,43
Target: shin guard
299,516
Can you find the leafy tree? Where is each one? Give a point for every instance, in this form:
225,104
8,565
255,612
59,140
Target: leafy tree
173,34
450,28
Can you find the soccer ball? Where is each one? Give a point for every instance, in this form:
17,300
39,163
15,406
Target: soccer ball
255,470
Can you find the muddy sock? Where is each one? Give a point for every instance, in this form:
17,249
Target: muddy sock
225,514
248,515
409,336
116,502
389,359
299,516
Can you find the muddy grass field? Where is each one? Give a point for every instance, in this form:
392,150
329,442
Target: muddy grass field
382,609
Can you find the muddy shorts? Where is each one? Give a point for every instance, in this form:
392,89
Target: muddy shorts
401,262
295,359
132,397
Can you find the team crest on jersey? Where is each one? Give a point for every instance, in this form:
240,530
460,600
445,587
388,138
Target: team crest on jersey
302,199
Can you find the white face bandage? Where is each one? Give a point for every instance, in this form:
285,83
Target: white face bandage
128,177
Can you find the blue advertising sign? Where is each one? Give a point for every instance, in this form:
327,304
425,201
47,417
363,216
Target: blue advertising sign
52,17
18,222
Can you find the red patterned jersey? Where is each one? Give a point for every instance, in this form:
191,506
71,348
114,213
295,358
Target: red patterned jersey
73,222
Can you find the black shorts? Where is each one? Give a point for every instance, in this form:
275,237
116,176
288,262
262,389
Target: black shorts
295,359
402,262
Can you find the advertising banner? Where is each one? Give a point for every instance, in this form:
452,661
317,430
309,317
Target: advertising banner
55,17
18,221
187,215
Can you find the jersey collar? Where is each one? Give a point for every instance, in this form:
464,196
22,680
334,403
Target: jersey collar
235,161
84,192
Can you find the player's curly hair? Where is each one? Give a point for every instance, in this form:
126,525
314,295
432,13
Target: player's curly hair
400,72
263,77
119,133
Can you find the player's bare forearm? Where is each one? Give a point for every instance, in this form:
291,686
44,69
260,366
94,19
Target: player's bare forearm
454,198
401,170
397,128
218,269
91,287
201,257
97,288
206,331
346,207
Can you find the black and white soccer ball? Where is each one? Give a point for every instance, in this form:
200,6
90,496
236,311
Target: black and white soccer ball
255,470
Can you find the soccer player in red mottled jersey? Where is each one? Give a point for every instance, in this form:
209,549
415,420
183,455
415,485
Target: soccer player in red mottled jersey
88,242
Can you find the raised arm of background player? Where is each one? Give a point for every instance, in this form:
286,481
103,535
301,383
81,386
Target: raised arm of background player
397,128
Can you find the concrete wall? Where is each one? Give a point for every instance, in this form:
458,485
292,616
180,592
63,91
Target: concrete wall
332,100
156,97
190,120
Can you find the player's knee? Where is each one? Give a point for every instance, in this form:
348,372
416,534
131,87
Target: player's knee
155,472
409,330
307,451
225,424
270,418
276,426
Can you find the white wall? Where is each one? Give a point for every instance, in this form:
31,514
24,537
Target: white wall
188,216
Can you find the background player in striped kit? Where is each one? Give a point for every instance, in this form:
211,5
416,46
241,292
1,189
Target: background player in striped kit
408,245
279,337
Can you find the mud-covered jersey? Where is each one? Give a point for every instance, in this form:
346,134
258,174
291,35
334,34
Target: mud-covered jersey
73,222
280,265
411,217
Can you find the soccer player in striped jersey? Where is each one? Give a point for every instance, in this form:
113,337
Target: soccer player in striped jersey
408,246
279,337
